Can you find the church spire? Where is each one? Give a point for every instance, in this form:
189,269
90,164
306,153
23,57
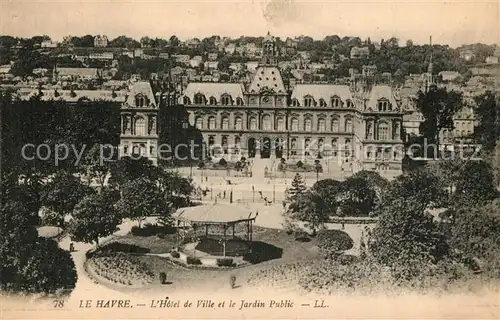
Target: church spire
429,76
430,69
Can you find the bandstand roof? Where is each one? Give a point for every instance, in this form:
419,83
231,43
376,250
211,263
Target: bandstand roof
215,214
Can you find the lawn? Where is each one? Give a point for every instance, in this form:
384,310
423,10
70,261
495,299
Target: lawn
286,256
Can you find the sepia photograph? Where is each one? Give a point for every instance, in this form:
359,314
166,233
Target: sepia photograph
245,159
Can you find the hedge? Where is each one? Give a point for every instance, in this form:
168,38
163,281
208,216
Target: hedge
193,260
225,262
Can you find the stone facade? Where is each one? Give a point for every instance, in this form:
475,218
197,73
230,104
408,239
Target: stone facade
361,122
139,116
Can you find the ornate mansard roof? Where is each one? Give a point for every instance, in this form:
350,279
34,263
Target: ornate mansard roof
216,90
141,88
267,77
321,91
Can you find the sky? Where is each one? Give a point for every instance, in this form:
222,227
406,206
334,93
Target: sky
453,22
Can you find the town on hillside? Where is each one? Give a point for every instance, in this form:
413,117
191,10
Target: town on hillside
143,170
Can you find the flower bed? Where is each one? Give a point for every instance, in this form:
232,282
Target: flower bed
280,275
121,268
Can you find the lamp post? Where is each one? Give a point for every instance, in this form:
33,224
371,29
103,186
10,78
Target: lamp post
274,192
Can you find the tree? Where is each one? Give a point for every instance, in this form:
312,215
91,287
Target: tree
406,238
375,181
174,41
357,197
127,169
224,64
62,194
29,263
139,199
420,185
94,217
48,268
488,113
475,231
474,185
298,187
95,164
310,207
438,106
85,41
329,190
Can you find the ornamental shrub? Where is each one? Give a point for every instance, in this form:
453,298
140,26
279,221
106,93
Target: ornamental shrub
225,262
193,261
332,242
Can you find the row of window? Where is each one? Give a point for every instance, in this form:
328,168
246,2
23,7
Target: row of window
226,100
293,143
335,102
456,133
280,124
382,132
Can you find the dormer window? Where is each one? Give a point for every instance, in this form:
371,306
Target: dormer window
295,102
239,101
336,102
199,99
322,103
140,101
213,101
186,100
226,100
309,102
384,105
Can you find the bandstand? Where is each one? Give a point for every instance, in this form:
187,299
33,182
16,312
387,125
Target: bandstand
211,223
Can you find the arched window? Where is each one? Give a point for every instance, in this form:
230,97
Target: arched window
140,101
336,103
469,132
383,105
266,123
295,124
281,124
350,104
322,103
140,126
186,100
335,145
199,122
199,99
213,101
226,100
335,125
211,140
239,101
295,103
307,145
307,124
348,125
309,102
225,123
238,123
224,143
211,122
253,123
383,131
321,125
